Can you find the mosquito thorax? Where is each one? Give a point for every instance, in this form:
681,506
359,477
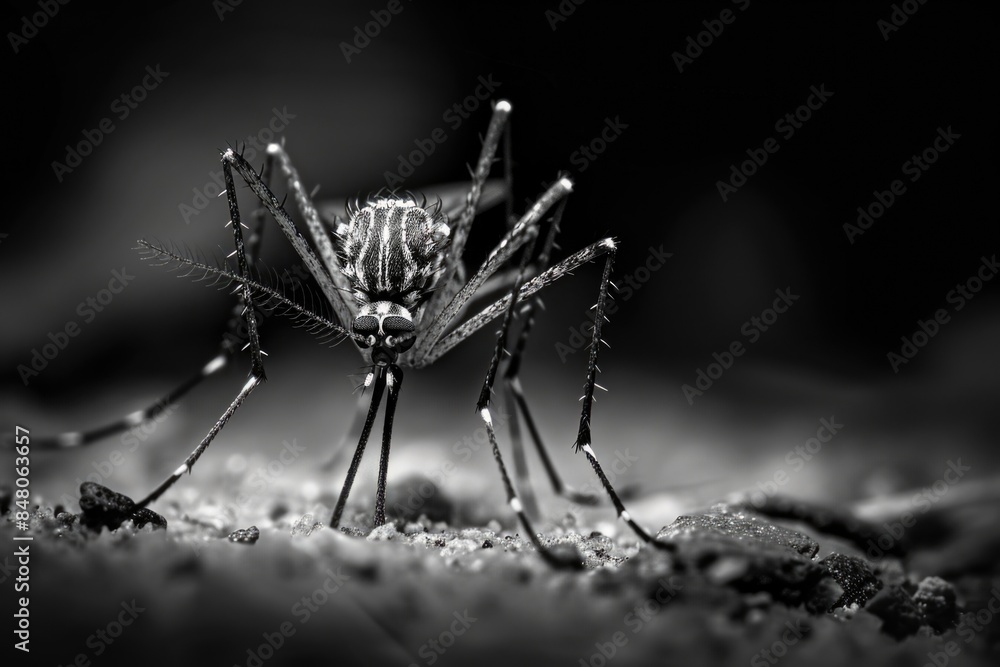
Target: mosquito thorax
392,250
385,324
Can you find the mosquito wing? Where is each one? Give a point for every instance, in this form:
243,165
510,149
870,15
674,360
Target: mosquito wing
451,195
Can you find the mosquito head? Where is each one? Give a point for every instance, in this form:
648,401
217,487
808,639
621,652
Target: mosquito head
385,325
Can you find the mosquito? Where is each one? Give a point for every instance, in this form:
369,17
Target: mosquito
391,270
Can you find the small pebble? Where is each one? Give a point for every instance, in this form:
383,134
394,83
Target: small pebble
103,507
935,598
305,526
740,526
854,576
901,618
245,535
416,496
386,531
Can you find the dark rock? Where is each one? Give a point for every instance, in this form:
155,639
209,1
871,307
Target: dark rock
832,521
278,511
418,495
352,531
935,598
900,616
750,556
245,535
102,507
858,581
741,527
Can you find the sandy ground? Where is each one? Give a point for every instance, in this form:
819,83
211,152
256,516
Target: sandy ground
427,592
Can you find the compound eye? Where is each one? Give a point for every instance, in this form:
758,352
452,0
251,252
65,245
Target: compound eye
366,325
396,325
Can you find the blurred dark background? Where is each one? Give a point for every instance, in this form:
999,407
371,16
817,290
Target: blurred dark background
654,186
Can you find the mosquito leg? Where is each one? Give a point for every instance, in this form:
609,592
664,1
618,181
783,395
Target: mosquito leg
352,435
133,419
259,215
189,462
517,443
583,438
521,471
508,174
227,348
394,379
517,506
460,231
379,378
514,394
483,408
495,310
343,304
232,159
512,388
525,230
257,374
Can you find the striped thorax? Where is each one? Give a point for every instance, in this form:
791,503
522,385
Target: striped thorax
391,250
